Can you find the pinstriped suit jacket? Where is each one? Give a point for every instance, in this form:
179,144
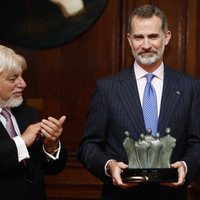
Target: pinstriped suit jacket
116,108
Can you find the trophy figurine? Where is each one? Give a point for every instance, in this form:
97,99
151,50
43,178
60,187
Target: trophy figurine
149,158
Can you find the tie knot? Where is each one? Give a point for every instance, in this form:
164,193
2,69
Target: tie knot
6,114
149,78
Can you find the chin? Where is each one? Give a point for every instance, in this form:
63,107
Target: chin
11,103
17,102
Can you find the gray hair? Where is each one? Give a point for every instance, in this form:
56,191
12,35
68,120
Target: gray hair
148,11
11,61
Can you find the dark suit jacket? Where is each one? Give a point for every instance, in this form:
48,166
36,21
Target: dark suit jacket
17,181
116,108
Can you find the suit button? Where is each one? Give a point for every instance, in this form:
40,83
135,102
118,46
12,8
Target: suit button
29,180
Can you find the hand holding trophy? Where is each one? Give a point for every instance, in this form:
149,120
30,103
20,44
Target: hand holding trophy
149,158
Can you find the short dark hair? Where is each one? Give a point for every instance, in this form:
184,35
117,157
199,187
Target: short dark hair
148,11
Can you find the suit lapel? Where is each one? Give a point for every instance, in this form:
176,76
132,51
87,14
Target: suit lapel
20,118
170,97
129,97
3,133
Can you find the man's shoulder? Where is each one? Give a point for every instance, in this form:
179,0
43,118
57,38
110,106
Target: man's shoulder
183,79
179,74
116,76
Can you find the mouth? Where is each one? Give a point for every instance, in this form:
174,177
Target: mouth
17,94
147,54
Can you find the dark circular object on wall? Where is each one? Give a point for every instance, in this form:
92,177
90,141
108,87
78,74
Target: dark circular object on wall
41,24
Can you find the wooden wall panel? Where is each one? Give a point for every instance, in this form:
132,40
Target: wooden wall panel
91,56
74,183
176,50
192,37
197,64
61,80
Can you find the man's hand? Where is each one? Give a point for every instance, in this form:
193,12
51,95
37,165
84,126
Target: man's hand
115,168
31,134
52,128
181,174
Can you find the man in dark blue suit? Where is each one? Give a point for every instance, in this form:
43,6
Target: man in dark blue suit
117,106
29,147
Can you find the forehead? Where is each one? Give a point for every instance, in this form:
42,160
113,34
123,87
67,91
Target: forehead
146,25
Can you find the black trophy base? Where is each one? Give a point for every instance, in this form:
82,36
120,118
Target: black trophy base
150,175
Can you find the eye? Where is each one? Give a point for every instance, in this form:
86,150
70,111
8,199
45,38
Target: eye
138,37
153,36
12,78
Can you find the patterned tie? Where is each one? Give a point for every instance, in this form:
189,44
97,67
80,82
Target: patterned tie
150,106
9,123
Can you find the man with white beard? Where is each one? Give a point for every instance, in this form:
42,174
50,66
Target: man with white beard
29,147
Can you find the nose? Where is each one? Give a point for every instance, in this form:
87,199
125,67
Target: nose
20,82
146,44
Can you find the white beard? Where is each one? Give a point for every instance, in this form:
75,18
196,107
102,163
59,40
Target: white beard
148,60
11,103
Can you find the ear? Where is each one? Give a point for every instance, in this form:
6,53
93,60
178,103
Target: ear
129,38
167,37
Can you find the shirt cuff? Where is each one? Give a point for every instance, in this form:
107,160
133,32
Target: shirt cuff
55,154
184,163
106,167
22,150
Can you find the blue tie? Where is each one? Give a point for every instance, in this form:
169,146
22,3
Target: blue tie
150,106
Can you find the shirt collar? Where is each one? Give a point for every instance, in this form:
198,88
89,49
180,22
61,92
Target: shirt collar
140,72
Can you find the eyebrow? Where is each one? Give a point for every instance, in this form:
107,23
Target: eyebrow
149,35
